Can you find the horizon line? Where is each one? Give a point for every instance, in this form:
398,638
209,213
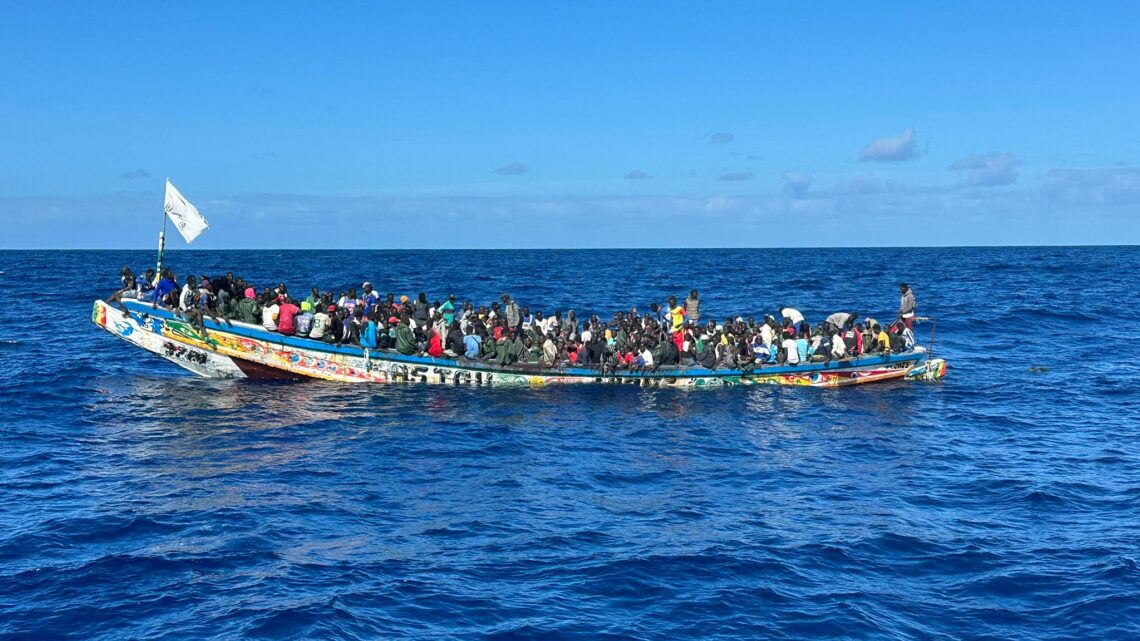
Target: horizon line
450,249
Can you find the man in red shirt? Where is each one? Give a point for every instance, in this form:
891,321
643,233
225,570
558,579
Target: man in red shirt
285,316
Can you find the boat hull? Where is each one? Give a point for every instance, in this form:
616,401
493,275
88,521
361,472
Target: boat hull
247,351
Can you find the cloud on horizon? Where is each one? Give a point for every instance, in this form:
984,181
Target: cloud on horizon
1067,206
512,169
1091,187
891,148
136,174
637,174
736,176
796,184
987,170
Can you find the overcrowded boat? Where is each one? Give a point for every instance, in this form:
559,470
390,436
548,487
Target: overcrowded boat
222,327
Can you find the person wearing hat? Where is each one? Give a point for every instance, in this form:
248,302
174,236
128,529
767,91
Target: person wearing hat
369,297
247,308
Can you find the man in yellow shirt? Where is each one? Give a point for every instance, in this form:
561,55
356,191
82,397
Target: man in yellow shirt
676,313
882,341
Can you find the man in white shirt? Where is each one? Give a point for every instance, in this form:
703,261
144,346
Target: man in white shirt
792,314
791,351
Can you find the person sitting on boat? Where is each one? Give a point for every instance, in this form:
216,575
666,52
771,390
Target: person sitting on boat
286,313
803,347
369,333
853,339
269,309
877,341
669,354
549,351
186,295
789,351
320,324
404,338
453,341
128,288
165,288
505,351
247,310
473,343
901,337
304,321
838,346
434,344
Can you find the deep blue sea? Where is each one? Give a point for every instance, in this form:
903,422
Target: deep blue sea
138,502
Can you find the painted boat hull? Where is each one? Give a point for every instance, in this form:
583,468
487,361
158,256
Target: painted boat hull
248,351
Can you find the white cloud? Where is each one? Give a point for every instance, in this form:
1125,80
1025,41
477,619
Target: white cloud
797,183
1088,187
987,170
891,148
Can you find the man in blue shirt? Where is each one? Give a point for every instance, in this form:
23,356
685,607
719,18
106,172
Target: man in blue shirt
166,285
472,342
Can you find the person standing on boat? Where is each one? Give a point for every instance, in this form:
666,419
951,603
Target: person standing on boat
511,311
447,309
792,316
839,321
907,305
693,307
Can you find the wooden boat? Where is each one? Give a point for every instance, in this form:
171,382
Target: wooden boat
250,351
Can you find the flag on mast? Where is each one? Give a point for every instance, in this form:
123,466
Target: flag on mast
185,216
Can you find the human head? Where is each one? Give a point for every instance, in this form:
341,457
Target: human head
903,287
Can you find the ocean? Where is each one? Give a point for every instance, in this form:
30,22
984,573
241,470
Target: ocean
138,502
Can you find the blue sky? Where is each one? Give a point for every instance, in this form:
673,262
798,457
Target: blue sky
577,124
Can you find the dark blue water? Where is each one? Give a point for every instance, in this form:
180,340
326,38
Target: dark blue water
1004,503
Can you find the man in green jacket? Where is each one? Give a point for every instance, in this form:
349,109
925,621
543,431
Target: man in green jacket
247,308
505,352
405,339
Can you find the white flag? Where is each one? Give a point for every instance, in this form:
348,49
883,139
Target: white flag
184,215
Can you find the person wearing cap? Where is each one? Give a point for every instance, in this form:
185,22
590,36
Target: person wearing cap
369,297
247,310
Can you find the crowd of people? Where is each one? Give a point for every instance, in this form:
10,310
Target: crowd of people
503,332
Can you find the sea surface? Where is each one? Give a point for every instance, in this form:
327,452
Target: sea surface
138,502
